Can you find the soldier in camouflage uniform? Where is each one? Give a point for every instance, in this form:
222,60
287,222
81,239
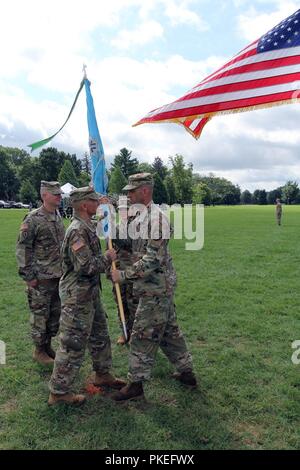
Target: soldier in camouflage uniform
39,261
154,280
125,259
83,319
278,211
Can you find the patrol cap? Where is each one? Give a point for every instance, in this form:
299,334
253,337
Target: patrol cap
52,187
138,180
82,194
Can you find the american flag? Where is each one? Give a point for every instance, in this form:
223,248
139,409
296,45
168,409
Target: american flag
265,73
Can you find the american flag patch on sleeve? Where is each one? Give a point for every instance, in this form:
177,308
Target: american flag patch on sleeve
78,245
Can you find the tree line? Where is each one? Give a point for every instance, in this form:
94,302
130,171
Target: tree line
176,182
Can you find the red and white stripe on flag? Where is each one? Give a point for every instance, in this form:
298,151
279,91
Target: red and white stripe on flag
265,73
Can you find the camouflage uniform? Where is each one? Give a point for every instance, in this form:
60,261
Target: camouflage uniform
83,319
129,300
39,257
278,211
154,281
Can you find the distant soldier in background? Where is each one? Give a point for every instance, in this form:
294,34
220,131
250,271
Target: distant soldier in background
278,211
39,261
83,319
155,325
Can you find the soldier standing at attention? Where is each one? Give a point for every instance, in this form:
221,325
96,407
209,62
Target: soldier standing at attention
278,211
39,261
83,319
155,322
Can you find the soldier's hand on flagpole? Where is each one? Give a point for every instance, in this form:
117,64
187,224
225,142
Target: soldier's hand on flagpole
111,254
116,276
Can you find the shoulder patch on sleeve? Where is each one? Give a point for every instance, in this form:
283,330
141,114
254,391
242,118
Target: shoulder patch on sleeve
24,226
78,245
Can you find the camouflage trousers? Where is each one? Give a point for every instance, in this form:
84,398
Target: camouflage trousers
278,218
130,304
45,308
154,327
81,325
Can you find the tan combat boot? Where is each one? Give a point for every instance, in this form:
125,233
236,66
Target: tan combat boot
132,391
106,380
40,356
68,398
121,341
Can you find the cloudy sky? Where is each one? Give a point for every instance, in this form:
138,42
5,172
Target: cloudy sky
140,55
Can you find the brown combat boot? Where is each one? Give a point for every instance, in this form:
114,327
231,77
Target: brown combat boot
121,341
106,380
186,378
40,356
132,391
68,398
49,350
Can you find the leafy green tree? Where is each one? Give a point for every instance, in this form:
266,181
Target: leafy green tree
145,168
262,199
9,183
170,187
126,162
160,195
255,196
222,190
16,157
201,194
290,192
259,197
50,164
159,168
76,162
31,171
28,193
86,164
117,181
273,195
67,174
84,179
182,178
246,197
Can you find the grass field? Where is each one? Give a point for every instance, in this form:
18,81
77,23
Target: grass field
238,304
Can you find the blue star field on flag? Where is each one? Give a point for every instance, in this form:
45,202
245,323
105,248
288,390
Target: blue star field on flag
285,34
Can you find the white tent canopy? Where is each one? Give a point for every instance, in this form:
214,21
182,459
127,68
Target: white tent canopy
67,188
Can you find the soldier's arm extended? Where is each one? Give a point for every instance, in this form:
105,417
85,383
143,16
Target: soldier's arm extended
83,258
147,264
25,248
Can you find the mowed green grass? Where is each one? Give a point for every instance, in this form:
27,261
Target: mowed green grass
238,304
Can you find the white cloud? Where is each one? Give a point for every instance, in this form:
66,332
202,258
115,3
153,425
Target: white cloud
48,48
143,34
180,13
252,24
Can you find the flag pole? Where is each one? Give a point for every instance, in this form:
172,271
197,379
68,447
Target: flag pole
109,241
119,297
